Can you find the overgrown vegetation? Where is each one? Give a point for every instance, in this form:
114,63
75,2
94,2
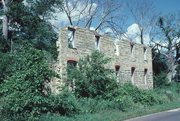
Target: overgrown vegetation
115,115
26,49
160,80
131,102
91,78
119,97
24,95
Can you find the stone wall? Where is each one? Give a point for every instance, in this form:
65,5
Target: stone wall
127,57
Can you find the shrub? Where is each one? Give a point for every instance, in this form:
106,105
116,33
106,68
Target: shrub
91,105
23,84
91,77
126,96
64,103
145,97
160,80
170,91
124,102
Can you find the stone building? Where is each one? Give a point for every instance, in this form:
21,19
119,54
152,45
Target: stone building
131,61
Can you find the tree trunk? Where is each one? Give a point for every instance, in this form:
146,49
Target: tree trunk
5,22
171,73
141,36
169,76
171,63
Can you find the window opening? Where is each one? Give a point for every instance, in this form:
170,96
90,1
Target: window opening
97,42
117,68
117,49
132,49
145,54
132,74
71,38
145,76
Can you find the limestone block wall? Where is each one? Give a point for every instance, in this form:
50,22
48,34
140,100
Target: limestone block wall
132,62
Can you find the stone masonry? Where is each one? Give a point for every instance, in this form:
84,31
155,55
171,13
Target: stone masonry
132,62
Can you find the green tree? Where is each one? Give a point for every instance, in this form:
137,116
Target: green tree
26,44
159,63
169,43
23,91
91,77
28,20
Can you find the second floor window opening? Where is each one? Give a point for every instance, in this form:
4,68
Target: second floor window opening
71,38
97,38
132,74
116,49
145,54
132,49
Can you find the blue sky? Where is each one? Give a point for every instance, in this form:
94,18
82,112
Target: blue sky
164,7
130,26
167,6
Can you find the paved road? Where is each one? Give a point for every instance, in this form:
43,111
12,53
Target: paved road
171,115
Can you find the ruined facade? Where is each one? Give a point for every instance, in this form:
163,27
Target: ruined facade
131,61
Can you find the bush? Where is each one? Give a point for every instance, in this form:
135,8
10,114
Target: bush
160,80
170,91
145,97
23,83
91,105
126,97
124,102
64,103
91,77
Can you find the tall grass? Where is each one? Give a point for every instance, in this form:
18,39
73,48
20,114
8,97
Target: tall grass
106,110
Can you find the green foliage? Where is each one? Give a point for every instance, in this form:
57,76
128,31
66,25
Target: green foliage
64,103
177,76
28,21
178,88
91,105
94,81
171,91
159,62
160,80
144,97
91,77
23,78
113,115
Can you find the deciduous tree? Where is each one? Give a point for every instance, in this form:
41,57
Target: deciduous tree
92,13
169,42
144,15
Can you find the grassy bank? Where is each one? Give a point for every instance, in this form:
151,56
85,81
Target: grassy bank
113,115
100,110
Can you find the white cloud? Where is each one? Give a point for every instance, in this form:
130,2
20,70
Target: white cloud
133,33
60,19
80,11
108,30
92,28
133,30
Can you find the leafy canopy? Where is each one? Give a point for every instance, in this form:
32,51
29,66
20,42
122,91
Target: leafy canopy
23,79
91,77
